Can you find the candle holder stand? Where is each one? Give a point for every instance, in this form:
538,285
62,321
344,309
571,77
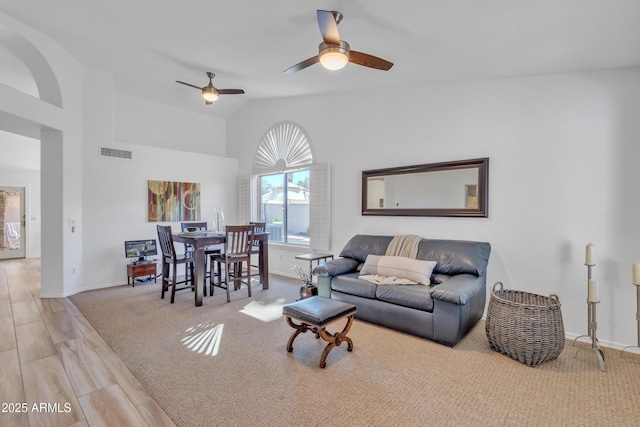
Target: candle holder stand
637,319
592,327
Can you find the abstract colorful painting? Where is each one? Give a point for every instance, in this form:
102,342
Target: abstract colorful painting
173,201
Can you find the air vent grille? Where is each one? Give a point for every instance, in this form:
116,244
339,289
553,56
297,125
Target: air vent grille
112,152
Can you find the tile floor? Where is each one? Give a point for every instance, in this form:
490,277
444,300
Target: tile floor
55,369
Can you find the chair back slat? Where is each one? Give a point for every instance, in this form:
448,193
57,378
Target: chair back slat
259,227
165,236
239,239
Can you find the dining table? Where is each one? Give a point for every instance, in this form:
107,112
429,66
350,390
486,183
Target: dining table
199,240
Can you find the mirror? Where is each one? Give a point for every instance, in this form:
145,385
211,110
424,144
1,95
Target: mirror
448,189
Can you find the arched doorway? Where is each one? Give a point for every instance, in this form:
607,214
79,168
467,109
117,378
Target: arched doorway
31,107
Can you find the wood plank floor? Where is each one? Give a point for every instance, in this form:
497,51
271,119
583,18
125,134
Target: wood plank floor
55,369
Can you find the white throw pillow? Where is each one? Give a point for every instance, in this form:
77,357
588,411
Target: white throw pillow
402,267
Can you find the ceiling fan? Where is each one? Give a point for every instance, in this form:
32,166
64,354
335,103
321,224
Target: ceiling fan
211,93
334,53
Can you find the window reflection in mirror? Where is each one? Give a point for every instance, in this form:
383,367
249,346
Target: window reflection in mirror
457,188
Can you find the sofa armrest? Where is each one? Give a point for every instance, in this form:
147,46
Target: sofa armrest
459,289
335,267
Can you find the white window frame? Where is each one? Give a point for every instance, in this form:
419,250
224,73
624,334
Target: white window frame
319,204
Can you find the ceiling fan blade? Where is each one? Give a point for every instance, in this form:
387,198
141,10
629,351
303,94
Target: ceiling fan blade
328,27
369,61
302,65
230,91
188,84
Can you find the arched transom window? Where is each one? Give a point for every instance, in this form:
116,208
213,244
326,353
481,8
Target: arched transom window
284,146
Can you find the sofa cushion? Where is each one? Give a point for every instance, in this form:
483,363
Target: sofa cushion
362,245
415,270
456,256
413,296
350,284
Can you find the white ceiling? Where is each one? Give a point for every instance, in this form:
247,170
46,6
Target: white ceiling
148,44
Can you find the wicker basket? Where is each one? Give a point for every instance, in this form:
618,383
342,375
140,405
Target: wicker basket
524,326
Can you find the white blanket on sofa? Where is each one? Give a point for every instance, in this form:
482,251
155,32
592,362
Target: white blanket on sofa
388,269
401,247
386,280
405,245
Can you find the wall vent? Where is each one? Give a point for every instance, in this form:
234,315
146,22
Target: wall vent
112,152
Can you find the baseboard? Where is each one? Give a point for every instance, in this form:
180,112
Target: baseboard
585,341
88,288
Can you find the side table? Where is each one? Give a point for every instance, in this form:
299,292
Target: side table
306,292
142,269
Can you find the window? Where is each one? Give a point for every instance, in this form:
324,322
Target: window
287,190
284,206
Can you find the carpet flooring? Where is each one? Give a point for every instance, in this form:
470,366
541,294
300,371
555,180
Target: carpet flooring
225,364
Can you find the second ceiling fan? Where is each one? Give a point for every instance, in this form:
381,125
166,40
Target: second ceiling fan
334,53
210,93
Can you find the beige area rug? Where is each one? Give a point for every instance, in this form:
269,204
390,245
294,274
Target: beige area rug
225,364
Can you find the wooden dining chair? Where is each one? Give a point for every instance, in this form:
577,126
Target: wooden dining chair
170,261
258,227
209,250
237,251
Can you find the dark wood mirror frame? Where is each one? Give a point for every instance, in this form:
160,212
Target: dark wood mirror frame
481,208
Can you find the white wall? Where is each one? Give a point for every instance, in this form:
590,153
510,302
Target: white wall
115,202
114,191
146,123
563,151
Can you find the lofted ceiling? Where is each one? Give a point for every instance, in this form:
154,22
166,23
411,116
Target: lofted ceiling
148,44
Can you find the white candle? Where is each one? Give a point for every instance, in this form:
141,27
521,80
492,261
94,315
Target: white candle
590,260
594,291
636,273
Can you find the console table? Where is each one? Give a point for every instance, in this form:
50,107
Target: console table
141,269
314,257
310,290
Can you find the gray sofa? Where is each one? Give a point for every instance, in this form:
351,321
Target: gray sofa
443,312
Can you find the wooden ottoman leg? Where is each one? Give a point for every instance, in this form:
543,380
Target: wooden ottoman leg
301,328
335,340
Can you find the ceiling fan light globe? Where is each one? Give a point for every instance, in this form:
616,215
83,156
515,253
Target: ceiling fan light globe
210,94
334,60
211,97
334,57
